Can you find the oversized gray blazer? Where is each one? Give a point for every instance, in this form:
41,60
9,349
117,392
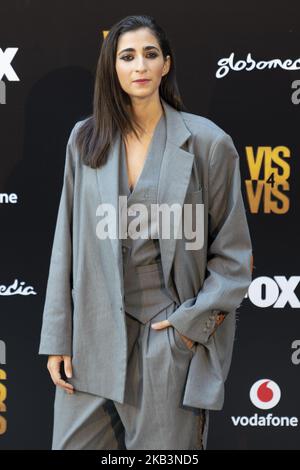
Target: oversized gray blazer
84,308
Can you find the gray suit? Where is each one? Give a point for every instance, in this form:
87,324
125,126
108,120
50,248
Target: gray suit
84,307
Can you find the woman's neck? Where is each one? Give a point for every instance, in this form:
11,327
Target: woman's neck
147,114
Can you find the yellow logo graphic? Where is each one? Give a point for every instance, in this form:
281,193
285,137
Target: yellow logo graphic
3,394
269,172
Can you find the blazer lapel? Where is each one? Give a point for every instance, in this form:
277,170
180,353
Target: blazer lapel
108,185
173,181
174,178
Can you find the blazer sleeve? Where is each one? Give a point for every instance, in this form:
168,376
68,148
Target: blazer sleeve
56,331
229,253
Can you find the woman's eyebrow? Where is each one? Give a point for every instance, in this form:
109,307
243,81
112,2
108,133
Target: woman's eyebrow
131,49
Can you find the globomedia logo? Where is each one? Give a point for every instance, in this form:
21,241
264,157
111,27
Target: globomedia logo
265,394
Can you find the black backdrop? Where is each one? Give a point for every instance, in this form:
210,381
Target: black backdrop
58,46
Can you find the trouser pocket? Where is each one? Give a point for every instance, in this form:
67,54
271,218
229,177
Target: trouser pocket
179,341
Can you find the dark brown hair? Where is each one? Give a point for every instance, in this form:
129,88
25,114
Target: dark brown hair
111,112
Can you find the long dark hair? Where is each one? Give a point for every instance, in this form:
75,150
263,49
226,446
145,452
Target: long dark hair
111,112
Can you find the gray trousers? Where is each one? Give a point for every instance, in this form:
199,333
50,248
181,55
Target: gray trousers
152,417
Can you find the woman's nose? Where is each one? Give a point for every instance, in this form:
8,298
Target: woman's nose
140,63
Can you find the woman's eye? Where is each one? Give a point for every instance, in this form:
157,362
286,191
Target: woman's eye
151,54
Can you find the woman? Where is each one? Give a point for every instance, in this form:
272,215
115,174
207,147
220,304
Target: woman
138,321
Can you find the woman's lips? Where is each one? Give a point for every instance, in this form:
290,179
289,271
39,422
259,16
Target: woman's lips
141,81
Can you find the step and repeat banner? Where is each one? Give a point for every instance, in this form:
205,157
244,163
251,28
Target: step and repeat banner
238,67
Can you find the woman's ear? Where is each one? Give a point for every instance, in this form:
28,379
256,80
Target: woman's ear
167,65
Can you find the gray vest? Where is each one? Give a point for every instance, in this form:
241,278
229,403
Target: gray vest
144,291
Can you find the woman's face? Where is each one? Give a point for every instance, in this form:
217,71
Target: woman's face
143,60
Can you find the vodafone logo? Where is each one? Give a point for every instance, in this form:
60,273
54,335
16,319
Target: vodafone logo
265,394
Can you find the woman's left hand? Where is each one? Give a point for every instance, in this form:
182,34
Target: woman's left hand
164,324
